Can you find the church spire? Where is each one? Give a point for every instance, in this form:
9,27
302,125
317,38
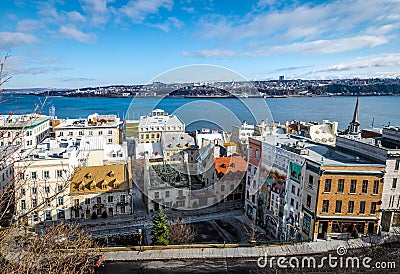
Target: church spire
354,124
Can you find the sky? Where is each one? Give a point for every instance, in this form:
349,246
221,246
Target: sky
81,43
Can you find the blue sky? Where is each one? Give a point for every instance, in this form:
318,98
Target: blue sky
71,43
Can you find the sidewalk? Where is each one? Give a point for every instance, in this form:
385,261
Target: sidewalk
236,252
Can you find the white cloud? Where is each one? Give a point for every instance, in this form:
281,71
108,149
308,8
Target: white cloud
211,53
97,9
19,65
324,46
14,38
307,21
73,33
373,61
138,10
166,26
304,48
29,25
74,16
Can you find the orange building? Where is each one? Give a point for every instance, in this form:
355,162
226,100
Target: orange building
348,199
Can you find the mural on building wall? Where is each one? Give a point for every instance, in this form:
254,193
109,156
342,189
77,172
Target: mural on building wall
295,172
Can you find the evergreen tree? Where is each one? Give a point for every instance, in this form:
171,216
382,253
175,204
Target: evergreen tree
160,231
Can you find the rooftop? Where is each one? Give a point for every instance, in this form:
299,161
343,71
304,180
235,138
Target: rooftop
94,120
233,164
91,179
173,141
22,121
322,154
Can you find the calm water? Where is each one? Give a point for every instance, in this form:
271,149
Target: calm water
382,109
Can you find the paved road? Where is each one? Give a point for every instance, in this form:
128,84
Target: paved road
248,265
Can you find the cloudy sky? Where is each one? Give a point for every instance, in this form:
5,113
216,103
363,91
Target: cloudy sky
79,43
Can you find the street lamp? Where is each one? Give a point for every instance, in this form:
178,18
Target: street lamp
295,228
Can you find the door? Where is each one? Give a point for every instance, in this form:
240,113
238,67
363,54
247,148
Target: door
322,229
87,214
110,211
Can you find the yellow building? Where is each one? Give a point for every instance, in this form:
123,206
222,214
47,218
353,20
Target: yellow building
99,189
348,199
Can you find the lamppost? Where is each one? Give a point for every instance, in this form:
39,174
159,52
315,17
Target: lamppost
295,228
140,239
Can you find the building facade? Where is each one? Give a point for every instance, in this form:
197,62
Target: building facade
101,190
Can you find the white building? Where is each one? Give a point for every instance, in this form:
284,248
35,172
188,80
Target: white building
108,126
42,184
152,126
26,131
96,151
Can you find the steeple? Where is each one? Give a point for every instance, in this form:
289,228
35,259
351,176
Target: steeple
354,124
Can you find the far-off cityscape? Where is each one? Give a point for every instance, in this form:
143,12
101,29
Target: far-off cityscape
199,136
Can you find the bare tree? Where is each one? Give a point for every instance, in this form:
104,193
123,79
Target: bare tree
64,248
60,249
179,232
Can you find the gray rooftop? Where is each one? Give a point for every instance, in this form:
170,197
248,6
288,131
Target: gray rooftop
322,154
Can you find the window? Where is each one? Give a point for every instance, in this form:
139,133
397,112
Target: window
340,185
373,207
34,203
251,152
59,173
325,206
293,189
110,199
98,200
110,132
47,215
328,185
180,192
397,164
362,207
87,201
353,186
310,181
34,190
76,202
60,201
90,132
156,195
47,201
47,189
364,188
376,187
110,141
222,187
338,208
46,174
350,207
59,188
394,183
257,153
61,133
180,203
33,175
22,191
80,133
100,132
71,133
292,202
60,214
23,205
122,198
308,201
